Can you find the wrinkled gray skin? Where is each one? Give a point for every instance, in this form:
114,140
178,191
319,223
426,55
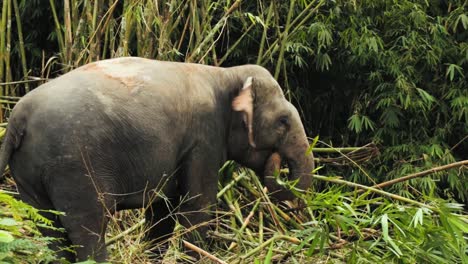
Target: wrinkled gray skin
110,134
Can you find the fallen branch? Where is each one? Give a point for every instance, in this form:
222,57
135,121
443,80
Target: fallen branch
202,252
422,173
372,189
24,81
232,183
338,150
124,233
9,192
268,242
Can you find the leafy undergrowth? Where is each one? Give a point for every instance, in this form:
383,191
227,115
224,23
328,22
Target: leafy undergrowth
336,225
20,239
331,223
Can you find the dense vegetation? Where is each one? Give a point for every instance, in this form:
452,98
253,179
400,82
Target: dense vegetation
390,72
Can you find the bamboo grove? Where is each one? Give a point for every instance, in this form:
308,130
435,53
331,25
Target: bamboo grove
388,75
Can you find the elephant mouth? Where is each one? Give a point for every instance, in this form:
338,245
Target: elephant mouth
275,179
285,186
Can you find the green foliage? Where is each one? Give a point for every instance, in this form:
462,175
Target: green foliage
404,66
20,240
336,226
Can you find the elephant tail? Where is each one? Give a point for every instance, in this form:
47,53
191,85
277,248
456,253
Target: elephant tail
10,143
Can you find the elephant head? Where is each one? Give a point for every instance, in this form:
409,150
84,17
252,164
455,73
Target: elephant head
266,128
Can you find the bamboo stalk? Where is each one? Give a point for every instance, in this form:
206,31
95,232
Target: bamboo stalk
260,225
125,233
162,34
2,39
202,252
102,24
58,29
21,43
150,42
8,49
367,188
268,242
8,102
175,24
338,150
284,39
122,50
2,49
78,28
210,36
91,28
264,34
97,11
9,192
422,173
106,44
68,32
95,14
10,97
307,14
75,17
270,206
229,185
234,46
193,28
246,222
183,34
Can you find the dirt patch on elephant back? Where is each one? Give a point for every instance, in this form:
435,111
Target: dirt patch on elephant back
124,70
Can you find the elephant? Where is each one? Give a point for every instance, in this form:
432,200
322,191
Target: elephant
131,132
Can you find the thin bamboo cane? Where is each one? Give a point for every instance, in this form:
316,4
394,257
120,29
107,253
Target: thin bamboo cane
102,24
2,39
210,36
58,29
8,49
21,43
284,38
303,17
462,163
68,32
264,34
338,150
372,189
234,46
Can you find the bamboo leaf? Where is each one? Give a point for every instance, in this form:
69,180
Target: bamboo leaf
269,254
6,237
312,145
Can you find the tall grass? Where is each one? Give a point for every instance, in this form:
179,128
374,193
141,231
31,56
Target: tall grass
182,30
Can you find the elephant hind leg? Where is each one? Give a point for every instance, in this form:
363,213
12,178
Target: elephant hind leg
160,218
86,230
61,244
86,209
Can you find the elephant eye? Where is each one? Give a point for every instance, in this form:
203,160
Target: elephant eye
284,121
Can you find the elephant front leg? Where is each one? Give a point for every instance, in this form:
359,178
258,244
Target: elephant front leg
198,188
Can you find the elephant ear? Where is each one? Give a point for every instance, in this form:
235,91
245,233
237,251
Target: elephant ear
244,103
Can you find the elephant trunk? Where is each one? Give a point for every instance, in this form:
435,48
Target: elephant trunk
300,165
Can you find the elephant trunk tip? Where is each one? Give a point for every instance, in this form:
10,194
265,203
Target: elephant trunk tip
300,170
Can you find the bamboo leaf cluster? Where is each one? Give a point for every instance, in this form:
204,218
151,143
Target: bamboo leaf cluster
20,239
